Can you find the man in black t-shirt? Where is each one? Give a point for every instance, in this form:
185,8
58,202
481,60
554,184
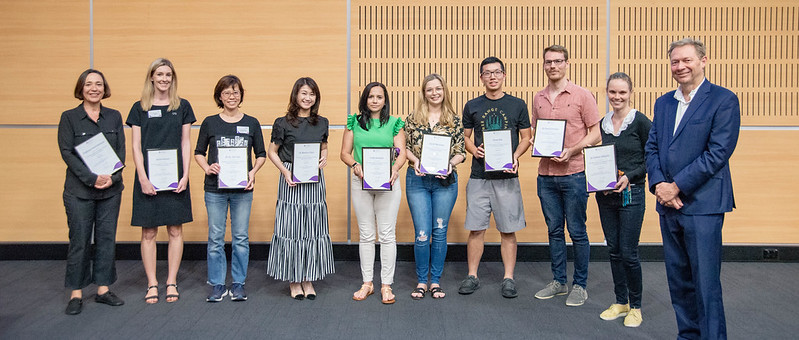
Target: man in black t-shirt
496,192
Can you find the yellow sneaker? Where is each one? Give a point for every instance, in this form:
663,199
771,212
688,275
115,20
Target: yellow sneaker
633,318
615,311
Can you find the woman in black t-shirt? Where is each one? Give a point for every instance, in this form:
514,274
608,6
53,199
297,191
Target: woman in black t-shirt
161,121
231,134
301,251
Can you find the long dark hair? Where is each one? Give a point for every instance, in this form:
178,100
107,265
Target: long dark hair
294,109
363,109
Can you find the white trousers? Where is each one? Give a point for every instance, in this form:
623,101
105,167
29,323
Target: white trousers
376,212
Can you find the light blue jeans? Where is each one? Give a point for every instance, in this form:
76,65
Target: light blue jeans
431,205
217,203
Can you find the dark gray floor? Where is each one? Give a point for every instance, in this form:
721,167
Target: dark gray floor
760,300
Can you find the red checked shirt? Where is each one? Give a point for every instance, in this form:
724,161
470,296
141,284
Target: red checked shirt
579,108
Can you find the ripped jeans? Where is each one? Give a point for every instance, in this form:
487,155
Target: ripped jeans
431,205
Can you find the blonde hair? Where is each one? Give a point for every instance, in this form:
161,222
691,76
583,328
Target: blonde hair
420,115
149,90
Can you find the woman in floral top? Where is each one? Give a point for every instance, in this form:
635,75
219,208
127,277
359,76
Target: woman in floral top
432,197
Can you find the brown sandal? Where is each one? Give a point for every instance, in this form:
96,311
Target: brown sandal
385,291
368,288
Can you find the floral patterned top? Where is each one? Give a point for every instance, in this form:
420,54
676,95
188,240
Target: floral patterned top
415,133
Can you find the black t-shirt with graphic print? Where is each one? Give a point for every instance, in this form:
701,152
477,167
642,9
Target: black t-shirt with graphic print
216,133
483,114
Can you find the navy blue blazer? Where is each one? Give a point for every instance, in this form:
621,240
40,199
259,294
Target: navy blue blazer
696,157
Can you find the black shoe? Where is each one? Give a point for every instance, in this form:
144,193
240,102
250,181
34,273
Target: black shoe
509,288
109,299
74,306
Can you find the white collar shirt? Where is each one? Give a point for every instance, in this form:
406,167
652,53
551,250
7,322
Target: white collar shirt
682,104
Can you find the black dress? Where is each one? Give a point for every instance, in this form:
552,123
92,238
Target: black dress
161,129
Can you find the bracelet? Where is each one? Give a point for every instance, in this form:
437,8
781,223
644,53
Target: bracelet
354,164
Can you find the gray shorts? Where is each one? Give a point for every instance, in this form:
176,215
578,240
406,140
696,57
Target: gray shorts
503,197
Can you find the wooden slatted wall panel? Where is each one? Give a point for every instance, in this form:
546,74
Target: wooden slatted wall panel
400,44
752,50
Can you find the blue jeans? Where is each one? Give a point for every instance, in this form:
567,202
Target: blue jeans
563,201
216,203
431,205
622,228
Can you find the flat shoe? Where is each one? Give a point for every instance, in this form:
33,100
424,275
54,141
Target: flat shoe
176,295
74,306
148,298
109,298
369,289
438,290
418,290
385,291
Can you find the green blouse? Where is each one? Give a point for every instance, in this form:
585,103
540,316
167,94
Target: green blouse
376,136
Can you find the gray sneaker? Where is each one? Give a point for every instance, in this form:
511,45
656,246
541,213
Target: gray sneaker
509,288
552,289
469,285
577,297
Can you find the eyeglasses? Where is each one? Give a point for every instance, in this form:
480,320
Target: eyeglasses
487,74
227,94
556,62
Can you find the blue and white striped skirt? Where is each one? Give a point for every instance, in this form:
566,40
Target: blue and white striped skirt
301,249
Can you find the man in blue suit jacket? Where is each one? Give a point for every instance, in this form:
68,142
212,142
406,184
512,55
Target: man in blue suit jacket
694,132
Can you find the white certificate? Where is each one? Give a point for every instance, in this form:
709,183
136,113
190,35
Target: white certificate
99,156
498,150
162,169
435,154
233,173
376,168
305,162
600,168
549,138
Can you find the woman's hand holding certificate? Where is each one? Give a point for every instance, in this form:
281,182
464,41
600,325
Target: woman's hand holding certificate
435,155
233,172
162,169
306,163
377,173
600,168
98,155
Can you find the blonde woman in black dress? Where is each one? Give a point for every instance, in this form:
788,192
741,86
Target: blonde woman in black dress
161,120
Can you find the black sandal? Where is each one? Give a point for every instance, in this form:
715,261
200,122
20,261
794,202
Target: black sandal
419,290
147,298
176,296
435,290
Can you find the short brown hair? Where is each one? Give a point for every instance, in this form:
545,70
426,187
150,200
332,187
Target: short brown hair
557,48
697,44
82,82
225,82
